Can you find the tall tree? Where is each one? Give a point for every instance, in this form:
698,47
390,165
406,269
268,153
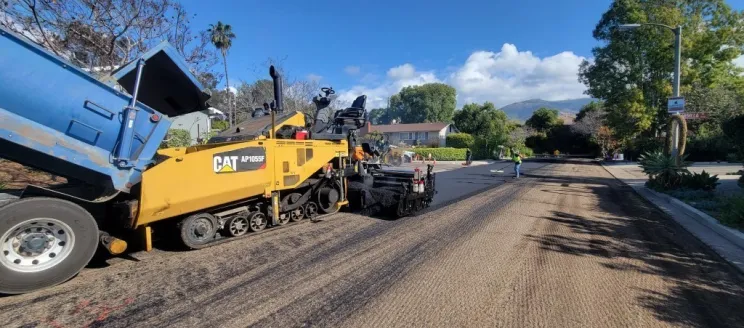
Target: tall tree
431,102
591,107
632,70
543,119
222,36
481,120
381,116
102,35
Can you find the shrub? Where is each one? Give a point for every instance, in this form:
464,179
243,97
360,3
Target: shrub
460,140
3,185
706,204
663,171
523,150
687,194
442,154
700,181
733,212
176,138
220,125
707,148
740,182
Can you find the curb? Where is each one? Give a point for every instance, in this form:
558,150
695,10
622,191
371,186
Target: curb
714,229
733,236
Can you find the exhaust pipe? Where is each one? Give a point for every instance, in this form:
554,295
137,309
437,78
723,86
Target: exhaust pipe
278,98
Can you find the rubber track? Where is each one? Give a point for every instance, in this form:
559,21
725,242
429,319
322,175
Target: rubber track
316,219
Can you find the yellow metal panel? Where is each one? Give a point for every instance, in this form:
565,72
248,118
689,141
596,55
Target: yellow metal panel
201,178
172,152
146,234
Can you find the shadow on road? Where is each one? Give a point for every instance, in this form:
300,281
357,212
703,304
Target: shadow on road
705,291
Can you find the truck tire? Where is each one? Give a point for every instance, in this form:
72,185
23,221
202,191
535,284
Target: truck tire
43,242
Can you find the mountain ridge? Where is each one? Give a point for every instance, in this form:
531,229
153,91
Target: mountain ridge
523,110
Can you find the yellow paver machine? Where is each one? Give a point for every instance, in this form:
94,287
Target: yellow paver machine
104,139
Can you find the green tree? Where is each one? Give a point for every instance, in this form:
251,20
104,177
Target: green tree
487,124
381,116
481,120
222,36
431,102
592,107
631,71
628,117
543,119
460,140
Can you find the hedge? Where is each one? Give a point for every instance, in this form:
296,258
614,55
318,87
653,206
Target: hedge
460,140
442,154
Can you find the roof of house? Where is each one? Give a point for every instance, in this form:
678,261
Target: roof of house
415,127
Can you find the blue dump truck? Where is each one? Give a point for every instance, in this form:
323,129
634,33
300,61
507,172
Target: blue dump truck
101,136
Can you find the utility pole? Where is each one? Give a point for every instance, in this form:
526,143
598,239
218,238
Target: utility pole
677,73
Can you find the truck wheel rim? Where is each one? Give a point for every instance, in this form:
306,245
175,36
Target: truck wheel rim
36,245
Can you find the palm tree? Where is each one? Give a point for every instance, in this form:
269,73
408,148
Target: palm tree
222,36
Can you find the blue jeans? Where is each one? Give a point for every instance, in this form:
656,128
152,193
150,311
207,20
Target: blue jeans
516,168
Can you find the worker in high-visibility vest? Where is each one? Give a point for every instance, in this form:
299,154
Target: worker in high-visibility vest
517,158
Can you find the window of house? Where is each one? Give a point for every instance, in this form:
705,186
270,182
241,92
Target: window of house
406,136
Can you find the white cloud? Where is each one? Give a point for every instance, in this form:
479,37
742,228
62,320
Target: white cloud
352,70
398,77
500,77
739,61
314,77
510,75
405,71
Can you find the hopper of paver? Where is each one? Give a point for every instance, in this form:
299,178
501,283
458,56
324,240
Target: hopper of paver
60,119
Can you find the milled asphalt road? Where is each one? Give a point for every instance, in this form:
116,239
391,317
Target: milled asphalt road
565,246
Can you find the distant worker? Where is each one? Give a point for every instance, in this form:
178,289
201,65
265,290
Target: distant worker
517,158
468,157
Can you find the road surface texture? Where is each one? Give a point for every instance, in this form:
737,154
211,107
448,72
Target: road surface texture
565,246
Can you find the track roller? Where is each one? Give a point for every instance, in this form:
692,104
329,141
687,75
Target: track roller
297,214
311,209
257,221
238,225
283,219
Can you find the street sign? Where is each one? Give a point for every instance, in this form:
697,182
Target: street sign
695,116
676,104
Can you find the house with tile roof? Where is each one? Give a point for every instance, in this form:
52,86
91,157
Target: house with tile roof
426,133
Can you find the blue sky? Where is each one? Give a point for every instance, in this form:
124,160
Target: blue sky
500,51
